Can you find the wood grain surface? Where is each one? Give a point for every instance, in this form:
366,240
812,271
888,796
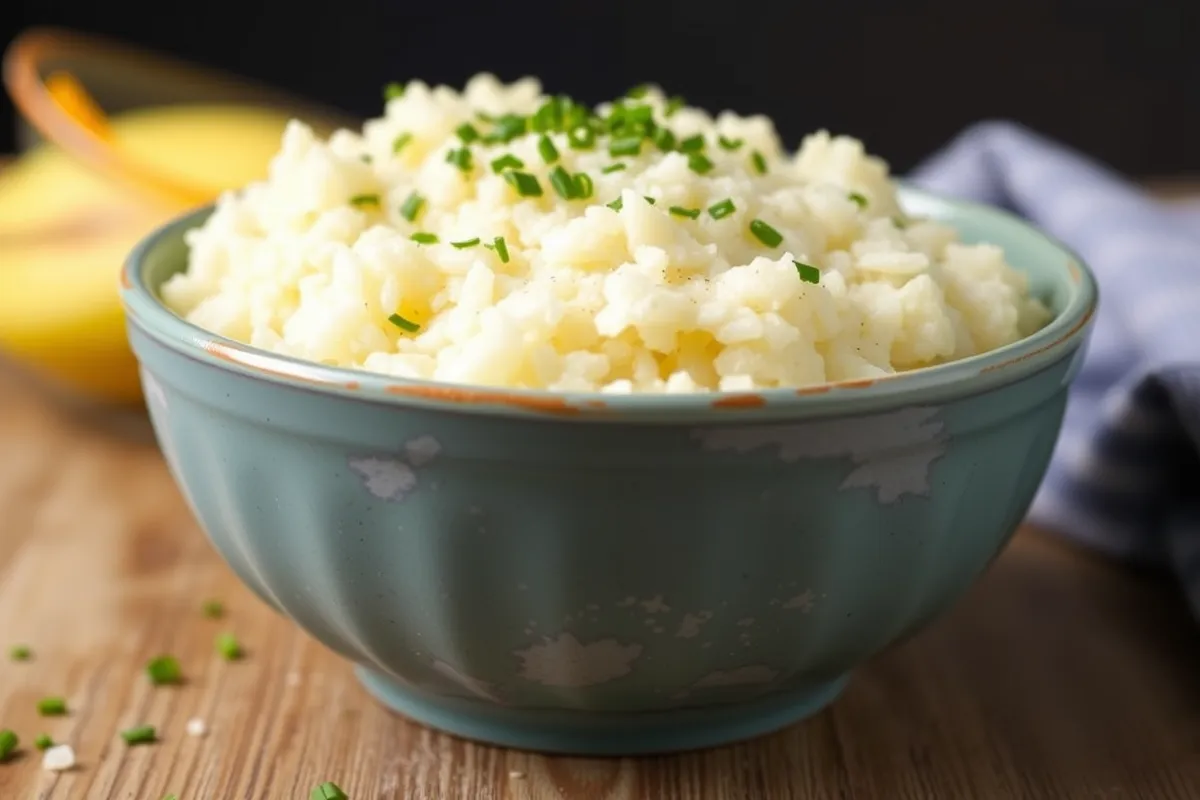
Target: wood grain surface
1059,676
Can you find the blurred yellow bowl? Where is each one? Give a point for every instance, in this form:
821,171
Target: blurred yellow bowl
117,141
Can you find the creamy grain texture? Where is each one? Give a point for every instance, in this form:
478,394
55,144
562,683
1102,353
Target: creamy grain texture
319,261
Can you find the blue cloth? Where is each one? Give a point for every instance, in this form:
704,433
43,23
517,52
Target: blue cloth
1125,476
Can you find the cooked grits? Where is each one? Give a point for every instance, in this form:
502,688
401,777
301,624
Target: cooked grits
501,237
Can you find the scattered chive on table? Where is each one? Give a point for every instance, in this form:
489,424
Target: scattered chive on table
1059,675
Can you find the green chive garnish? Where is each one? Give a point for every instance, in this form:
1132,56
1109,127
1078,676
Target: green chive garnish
393,90
401,141
680,211
664,139
212,609
20,652
858,199
759,162
900,222
583,186
729,144
401,323
328,791
673,105
365,158
692,144
164,670
43,742
650,199
52,706
506,161
626,146
8,743
807,272
141,734
467,133
501,249
581,138
722,209
525,184
765,233
229,647
410,209
461,158
463,245
616,205
420,237
560,179
364,200
611,168
699,163
508,127
547,150
638,92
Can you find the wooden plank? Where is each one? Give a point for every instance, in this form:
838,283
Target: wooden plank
1060,676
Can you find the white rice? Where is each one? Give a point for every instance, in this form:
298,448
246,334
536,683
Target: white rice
591,298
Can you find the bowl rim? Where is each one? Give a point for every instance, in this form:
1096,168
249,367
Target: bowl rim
147,314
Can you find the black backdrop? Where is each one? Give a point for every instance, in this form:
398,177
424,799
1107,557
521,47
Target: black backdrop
1117,78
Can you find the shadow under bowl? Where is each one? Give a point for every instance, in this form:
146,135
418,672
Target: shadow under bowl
600,574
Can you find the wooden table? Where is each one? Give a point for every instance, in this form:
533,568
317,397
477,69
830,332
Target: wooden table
1059,676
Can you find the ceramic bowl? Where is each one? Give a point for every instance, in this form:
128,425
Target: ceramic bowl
609,574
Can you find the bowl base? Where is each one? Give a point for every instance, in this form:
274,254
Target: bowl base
597,733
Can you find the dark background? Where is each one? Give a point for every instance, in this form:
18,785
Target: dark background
1119,79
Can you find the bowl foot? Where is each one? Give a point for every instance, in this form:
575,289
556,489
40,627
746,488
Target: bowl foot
599,733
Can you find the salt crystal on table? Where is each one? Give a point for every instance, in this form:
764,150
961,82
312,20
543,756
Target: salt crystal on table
196,727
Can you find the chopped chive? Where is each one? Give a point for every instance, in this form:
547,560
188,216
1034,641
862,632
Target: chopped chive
212,609
680,211
900,222
484,116
759,162
507,128
140,734
692,144
420,237
722,209
20,652
673,104
404,325
625,146
858,199
525,184
581,138
638,92
164,670
43,742
364,200
463,245
8,743
506,161
52,706
547,117
461,158
365,158
611,168
229,647
664,139
547,150
501,249
393,90
615,205
650,199
560,179
765,233
401,141
699,163
729,144
467,133
410,209
584,188
808,273
328,791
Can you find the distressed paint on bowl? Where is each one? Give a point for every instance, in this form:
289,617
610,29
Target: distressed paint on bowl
599,574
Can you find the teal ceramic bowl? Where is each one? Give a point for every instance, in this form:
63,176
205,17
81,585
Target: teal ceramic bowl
609,574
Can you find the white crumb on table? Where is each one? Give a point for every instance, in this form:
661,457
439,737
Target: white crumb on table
58,758
516,774
196,727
